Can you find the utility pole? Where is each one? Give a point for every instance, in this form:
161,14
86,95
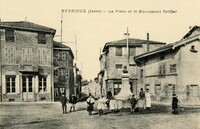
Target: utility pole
0,65
127,45
61,26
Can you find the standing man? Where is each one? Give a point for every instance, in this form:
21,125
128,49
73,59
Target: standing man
63,101
73,102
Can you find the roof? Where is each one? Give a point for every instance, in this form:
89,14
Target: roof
60,46
194,28
132,42
29,26
171,46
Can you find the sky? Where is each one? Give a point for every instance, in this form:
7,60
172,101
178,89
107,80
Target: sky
109,23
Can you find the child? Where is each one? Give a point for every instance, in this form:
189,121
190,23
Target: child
63,101
175,104
133,102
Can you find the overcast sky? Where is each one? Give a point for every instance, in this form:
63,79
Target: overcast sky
95,29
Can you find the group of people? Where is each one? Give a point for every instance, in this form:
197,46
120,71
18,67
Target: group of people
144,101
72,101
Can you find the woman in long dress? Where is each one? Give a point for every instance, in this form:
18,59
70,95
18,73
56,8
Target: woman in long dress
148,99
113,105
101,104
90,103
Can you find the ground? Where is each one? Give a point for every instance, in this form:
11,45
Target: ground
49,116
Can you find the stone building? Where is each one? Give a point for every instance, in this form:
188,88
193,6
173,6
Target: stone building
115,57
63,70
26,65
172,69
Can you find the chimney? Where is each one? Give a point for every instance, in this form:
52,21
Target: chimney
148,42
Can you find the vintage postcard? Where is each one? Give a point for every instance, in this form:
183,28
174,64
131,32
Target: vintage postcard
111,64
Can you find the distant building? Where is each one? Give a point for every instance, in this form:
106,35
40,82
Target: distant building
63,70
173,69
26,65
115,57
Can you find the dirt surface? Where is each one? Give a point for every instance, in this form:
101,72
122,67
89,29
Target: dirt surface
49,116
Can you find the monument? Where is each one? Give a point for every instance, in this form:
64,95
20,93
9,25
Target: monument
125,91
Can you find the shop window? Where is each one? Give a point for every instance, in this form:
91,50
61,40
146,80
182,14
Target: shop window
10,37
117,88
10,84
42,84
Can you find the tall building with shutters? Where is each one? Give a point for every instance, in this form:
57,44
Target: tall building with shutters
114,58
173,69
26,65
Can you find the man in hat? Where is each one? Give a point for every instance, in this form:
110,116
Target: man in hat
175,104
63,100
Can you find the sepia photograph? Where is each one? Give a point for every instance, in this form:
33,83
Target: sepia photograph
99,64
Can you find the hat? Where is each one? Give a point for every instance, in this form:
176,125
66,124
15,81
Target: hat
174,95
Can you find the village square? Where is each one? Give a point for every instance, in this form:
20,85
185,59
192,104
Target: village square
99,68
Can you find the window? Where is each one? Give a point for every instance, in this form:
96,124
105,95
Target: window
42,84
162,56
118,70
192,92
157,88
10,84
141,73
67,73
172,68
147,86
10,37
170,89
132,51
117,88
118,51
62,72
9,54
43,56
56,72
118,66
63,55
162,69
41,38
27,55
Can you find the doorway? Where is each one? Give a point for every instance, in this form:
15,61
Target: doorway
27,88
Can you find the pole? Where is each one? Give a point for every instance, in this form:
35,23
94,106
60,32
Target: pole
0,65
61,27
76,48
127,46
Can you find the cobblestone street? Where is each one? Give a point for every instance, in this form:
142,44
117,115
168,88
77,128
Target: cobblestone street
49,115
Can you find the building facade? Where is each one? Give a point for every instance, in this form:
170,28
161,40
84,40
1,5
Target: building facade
115,57
26,71
173,69
63,70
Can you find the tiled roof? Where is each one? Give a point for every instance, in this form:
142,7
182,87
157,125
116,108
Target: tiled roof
131,41
25,25
170,46
58,45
